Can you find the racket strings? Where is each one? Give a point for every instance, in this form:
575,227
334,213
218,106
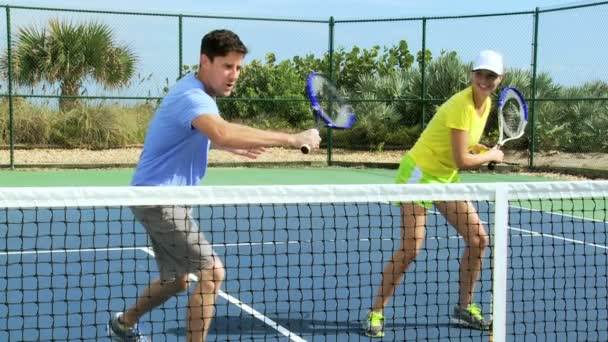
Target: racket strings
343,115
331,103
512,120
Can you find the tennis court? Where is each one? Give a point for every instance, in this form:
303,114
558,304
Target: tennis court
303,262
237,176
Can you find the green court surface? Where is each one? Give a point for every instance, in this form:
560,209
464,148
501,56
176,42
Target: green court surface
235,176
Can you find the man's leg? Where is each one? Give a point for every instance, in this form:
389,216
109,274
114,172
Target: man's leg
154,295
201,305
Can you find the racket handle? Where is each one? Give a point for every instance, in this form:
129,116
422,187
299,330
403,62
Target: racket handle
305,149
492,165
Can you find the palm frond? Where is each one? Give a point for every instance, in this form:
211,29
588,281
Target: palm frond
67,53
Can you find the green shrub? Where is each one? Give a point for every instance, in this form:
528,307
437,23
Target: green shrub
385,89
575,125
32,124
101,126
271,90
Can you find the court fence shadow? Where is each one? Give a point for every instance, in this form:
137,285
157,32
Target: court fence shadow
249,325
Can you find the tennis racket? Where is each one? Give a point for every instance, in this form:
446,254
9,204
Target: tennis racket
512,117
328,107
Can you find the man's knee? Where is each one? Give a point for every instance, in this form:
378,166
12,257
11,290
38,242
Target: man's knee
182,283
216,273
212,276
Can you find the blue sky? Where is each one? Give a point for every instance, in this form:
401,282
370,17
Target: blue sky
318,9
566,50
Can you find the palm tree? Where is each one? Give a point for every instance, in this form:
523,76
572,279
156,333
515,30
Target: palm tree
67,54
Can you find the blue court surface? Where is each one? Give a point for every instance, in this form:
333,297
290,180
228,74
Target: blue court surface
306,272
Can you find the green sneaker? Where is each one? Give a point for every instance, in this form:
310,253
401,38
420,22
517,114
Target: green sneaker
470,317
374,325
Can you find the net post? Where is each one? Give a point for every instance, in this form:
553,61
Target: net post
500,263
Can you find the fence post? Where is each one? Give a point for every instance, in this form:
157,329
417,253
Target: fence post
11,123
331,77
533,99
423,73
180,44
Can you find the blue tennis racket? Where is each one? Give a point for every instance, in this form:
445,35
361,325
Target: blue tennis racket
328,107
512,117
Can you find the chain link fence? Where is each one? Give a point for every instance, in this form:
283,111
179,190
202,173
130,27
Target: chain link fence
396,70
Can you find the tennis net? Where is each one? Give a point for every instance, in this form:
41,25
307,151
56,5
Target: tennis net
305,262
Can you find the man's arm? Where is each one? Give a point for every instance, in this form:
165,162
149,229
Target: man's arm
251,153
230,135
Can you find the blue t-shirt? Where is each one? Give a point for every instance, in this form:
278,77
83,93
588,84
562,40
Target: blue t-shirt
175,153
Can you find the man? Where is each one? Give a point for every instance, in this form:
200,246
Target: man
176,153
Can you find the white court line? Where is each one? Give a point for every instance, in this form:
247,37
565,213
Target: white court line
219,245
243,306
559,214
532,233
278,243
247,308
579,242
51,251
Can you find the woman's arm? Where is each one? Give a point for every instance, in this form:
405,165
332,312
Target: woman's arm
463,158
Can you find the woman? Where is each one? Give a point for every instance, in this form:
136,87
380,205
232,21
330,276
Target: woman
446,145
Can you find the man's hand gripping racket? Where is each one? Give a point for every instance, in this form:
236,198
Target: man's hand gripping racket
512,117
329,109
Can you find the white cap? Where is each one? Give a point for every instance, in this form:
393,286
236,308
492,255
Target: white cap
489,60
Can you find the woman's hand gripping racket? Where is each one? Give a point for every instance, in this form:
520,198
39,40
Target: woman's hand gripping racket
328,107
512,117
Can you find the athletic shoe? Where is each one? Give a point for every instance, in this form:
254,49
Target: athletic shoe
120,333
470,317
374,325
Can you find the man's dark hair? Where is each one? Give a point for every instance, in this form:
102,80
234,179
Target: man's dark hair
221,43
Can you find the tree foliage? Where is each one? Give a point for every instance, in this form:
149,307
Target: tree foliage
385,85
272,92
67,54
347,66
386,88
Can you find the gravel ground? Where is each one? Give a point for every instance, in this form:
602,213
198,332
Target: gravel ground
129,156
